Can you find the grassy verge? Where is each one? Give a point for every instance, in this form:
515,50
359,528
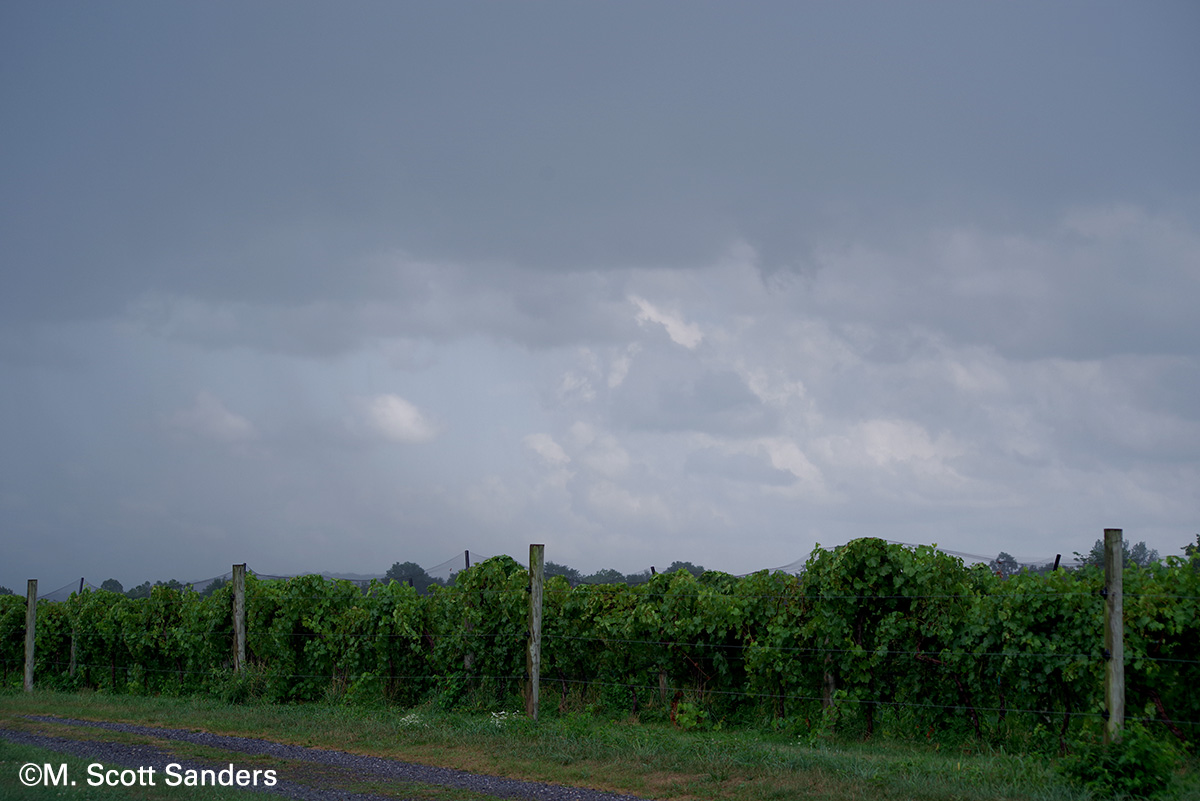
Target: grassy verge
652,760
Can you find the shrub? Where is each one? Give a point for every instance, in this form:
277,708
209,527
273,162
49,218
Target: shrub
1139,766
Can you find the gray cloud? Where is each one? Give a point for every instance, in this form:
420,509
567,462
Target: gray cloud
663,395
323,287
263,173
737,467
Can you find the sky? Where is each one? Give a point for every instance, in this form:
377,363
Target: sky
329,286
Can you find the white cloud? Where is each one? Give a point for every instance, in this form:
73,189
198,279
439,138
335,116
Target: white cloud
1105,222
619,368
680,332
786,455
493,500
888,444
605,456
545,447
881,386
609,500
976,375
209,418
396,419
573,387
889,441
582,434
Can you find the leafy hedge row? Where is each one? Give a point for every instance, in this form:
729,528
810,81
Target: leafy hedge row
872,635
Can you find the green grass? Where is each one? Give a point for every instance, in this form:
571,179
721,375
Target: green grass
649,759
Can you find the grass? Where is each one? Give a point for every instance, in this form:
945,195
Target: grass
647,759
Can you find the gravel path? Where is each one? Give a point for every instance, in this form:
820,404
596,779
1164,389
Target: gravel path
136,756
361,767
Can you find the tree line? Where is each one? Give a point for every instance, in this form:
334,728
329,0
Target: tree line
416,576
144,589
1139,555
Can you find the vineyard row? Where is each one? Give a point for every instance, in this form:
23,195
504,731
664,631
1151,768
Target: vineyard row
869,634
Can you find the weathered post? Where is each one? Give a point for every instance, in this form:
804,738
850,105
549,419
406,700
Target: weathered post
74,636
239,617
468,626
533,657
30,630
1114,635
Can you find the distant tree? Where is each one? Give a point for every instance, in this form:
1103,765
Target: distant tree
143,590
1139,555
1192,552
605,576
572,575
695,570
1005,565
411,573
6,591
634,579
212,587
1041,570
112,585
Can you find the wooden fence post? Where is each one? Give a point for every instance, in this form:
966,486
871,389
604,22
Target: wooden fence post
468,626
533,657
30,629
74,636
1114,635
239,617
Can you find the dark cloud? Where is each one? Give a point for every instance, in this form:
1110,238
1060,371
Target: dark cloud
260,154
300,283
411,299
665,396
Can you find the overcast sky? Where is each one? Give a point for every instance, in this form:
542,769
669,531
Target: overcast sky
327,286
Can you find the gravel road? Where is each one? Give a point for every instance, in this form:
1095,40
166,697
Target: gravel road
364,768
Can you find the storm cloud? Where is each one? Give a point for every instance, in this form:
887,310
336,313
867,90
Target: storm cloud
320,287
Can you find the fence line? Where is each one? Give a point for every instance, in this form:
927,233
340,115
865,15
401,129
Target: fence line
667,593
642,588
794,568
653,689
695,679
467,635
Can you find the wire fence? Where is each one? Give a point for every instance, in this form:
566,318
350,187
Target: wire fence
475,635
671,690
445,571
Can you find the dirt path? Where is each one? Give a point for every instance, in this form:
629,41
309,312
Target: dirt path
308,774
